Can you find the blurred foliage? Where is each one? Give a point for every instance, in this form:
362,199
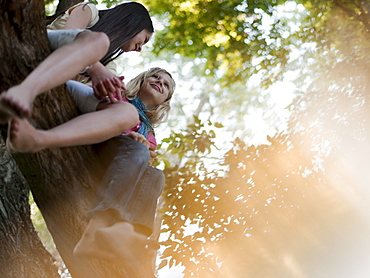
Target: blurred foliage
290,208
240,38
188,145
52,6
335,76
278,210
45,236
332,33
40,226
231,35
227,204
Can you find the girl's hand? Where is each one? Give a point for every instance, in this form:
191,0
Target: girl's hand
153,156
107,86
139,138
110,89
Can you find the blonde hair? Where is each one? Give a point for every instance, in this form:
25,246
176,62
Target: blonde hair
159,113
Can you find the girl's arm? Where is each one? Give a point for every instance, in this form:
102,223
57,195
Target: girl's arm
79,17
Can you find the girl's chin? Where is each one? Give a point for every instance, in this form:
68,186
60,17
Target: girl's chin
125,49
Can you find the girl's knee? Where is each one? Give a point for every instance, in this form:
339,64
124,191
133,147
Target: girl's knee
98,40
126,113
101,39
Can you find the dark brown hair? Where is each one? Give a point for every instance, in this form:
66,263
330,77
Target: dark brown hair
121,24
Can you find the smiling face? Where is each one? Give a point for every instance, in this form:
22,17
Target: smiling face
137,42
155,89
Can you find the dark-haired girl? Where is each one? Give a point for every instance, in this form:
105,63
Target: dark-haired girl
82,42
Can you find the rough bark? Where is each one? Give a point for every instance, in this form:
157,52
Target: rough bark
61,180
18,240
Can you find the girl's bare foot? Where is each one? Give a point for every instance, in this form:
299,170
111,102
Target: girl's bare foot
120,244
23,137
129,248
88,247
14,103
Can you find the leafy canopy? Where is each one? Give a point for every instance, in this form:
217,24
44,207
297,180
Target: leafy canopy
229,34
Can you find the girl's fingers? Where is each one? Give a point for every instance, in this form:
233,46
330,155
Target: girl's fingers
97,93
119,86
100,91
123,83
109,90
109,85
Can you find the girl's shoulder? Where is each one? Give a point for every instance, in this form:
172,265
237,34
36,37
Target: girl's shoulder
61,20
93,8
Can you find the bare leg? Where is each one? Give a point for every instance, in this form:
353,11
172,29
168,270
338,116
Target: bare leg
62,64
90,128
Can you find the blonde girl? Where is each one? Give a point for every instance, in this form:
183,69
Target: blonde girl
122,215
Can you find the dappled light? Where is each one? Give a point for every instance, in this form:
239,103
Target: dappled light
266,154
297,206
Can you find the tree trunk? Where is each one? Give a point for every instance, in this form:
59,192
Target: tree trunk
61,180
18,240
